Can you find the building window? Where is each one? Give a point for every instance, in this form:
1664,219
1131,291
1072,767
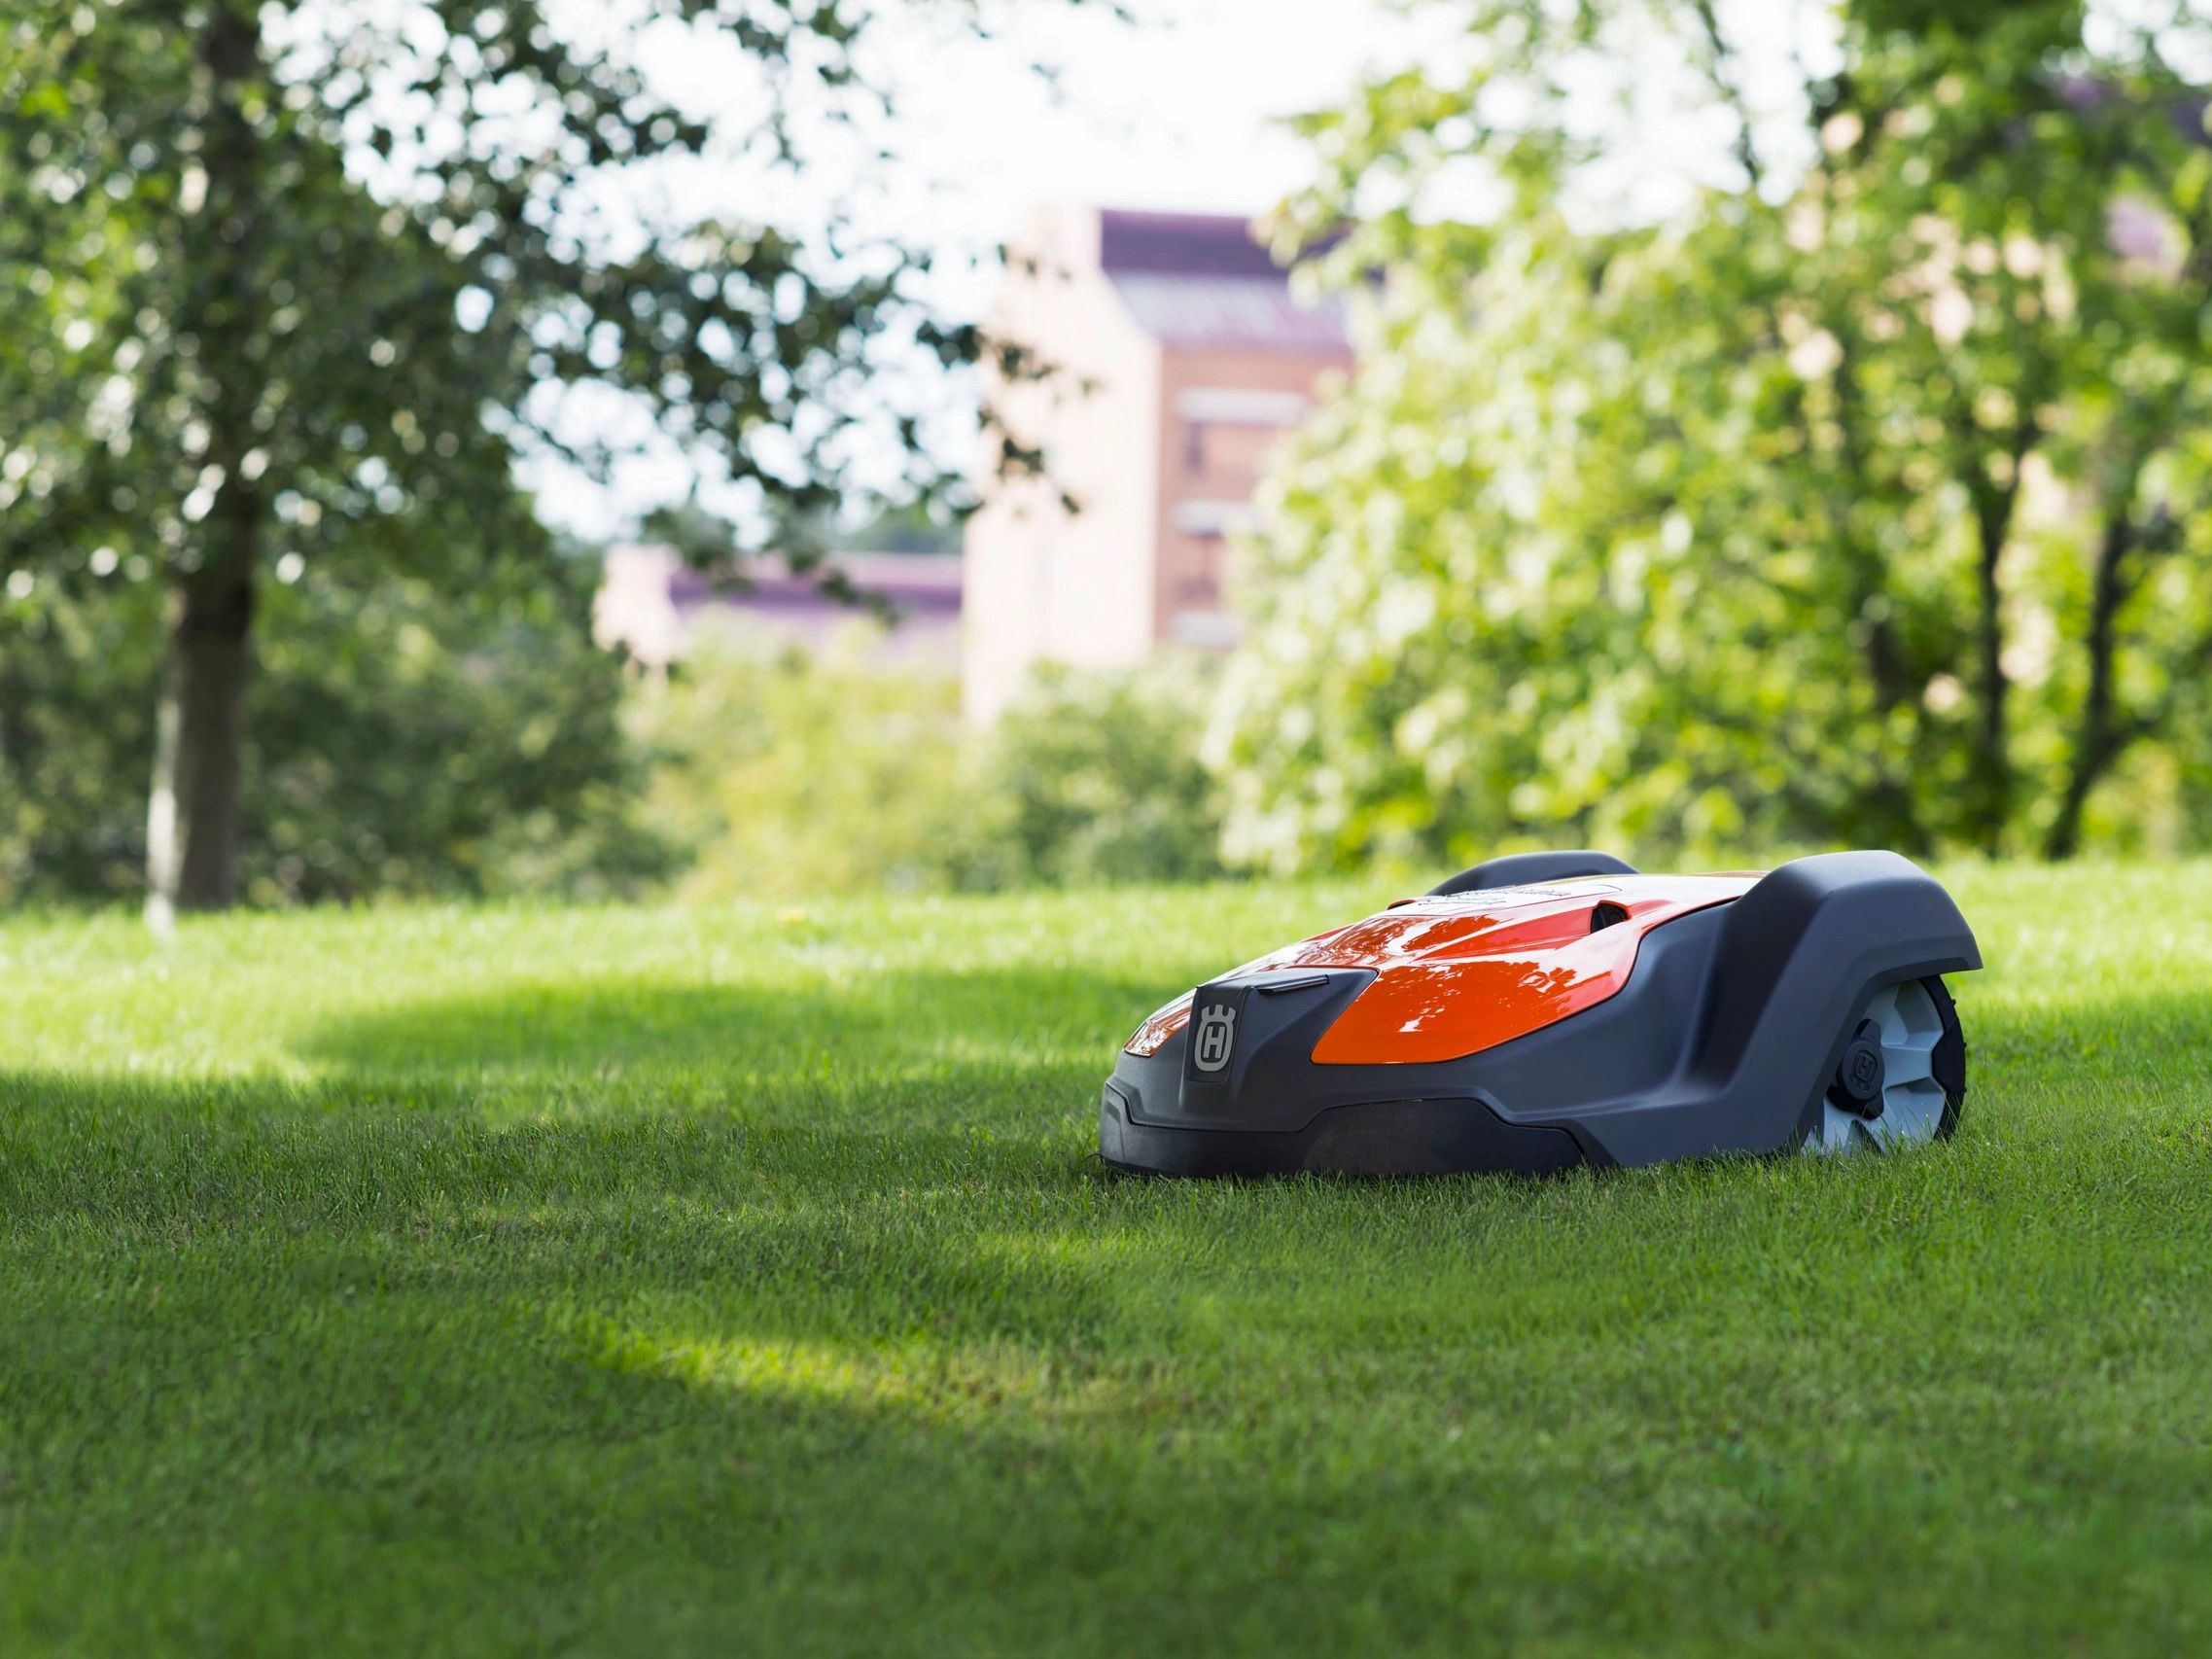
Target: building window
1195,517
1230,429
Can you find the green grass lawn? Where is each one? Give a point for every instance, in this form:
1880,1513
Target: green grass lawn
615,1281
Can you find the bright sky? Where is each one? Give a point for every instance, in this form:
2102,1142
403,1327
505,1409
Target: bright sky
1180,108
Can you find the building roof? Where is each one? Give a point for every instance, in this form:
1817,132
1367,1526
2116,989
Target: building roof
1181,244
921,586
1195,279
654,606
1232,311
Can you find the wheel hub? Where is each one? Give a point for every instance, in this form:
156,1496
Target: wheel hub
1885,1093
1861,1073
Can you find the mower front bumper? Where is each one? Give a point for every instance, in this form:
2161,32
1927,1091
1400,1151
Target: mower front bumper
1398,1137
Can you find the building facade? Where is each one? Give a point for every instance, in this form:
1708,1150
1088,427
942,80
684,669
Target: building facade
659,609
1177,357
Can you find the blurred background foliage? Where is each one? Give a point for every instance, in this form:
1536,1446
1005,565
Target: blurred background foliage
1097,779
1863,495
791,775
403,741
787,776
408,746
308,283
1857,493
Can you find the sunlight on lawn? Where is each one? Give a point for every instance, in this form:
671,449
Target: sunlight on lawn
772,1271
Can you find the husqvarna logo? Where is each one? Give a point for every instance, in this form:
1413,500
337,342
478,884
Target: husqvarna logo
1215,1039
1866,1065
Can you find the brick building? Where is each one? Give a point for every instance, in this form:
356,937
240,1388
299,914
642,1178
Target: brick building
657,609
1181,358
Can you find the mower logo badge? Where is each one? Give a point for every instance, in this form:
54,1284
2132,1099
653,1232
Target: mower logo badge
1215,1038
1866,1070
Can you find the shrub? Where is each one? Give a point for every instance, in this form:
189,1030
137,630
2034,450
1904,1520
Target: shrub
1098,778
784,777
403,742
781,777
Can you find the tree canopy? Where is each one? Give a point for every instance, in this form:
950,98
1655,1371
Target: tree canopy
1846,481
293,286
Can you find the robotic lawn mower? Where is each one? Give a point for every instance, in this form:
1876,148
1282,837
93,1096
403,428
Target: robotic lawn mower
1559,1008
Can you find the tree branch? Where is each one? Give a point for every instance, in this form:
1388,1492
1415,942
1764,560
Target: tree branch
1993,508
1715,67
2104,735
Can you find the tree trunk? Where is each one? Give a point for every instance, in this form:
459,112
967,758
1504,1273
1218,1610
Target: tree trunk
1900,819
2098,742
1994,504
1992,760
195,812
2064,839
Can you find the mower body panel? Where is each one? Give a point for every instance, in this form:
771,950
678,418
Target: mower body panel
1512,1028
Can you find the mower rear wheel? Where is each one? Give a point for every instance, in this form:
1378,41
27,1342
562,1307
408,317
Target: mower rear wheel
1916,1026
